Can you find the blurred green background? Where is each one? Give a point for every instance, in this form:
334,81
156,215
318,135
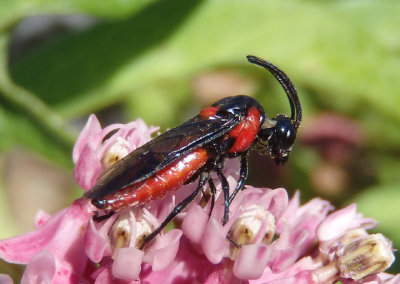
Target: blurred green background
61,60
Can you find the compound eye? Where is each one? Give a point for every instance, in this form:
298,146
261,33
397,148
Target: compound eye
286,133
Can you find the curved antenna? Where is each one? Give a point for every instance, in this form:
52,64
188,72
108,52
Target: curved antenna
287,85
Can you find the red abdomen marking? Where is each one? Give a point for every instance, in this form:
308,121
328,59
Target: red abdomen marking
245,132
166,180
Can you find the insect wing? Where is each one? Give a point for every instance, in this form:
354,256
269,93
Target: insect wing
159,153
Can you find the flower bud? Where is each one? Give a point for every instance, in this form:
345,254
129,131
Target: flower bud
121,232
365,256
143,228
248,226
115,153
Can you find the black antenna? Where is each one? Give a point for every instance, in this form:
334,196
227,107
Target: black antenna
287,85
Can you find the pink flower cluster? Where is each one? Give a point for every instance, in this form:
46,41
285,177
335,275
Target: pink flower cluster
268,239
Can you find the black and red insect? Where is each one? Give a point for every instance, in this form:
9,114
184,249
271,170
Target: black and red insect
229,128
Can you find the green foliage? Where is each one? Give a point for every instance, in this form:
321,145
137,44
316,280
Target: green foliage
381,202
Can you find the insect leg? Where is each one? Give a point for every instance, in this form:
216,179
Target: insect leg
204,176
213,191
242,175
99,218
225,189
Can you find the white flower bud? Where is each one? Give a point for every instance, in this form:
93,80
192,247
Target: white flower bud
143,228
121,232
248,225
115,153
365,256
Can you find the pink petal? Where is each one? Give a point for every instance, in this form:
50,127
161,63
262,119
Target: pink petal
276,201
315,207
189,266
103,277
243,199
217,277
5,279
388,278
141,132
223,275
127,263
41,217
164,250
95,243
159,209
282,259
298,273
251,261
61,236
194,223
290,212
283,252
337,223
303,227
90,134
214,242
87,168
40,269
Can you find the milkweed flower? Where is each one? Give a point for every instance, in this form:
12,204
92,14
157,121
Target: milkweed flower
268,238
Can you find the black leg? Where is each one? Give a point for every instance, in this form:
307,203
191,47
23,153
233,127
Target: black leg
242,176
213,191
178,208
225,189
99,218
235,244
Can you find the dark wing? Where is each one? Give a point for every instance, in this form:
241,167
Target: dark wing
159,153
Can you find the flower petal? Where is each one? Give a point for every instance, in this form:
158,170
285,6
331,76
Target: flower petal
41,269
61,236
87,168
95,243
103,277
127,263
189,266
5,279
275,201
164,250
214,243
337,223
291,210
41,217
90,134
194,223
251,261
